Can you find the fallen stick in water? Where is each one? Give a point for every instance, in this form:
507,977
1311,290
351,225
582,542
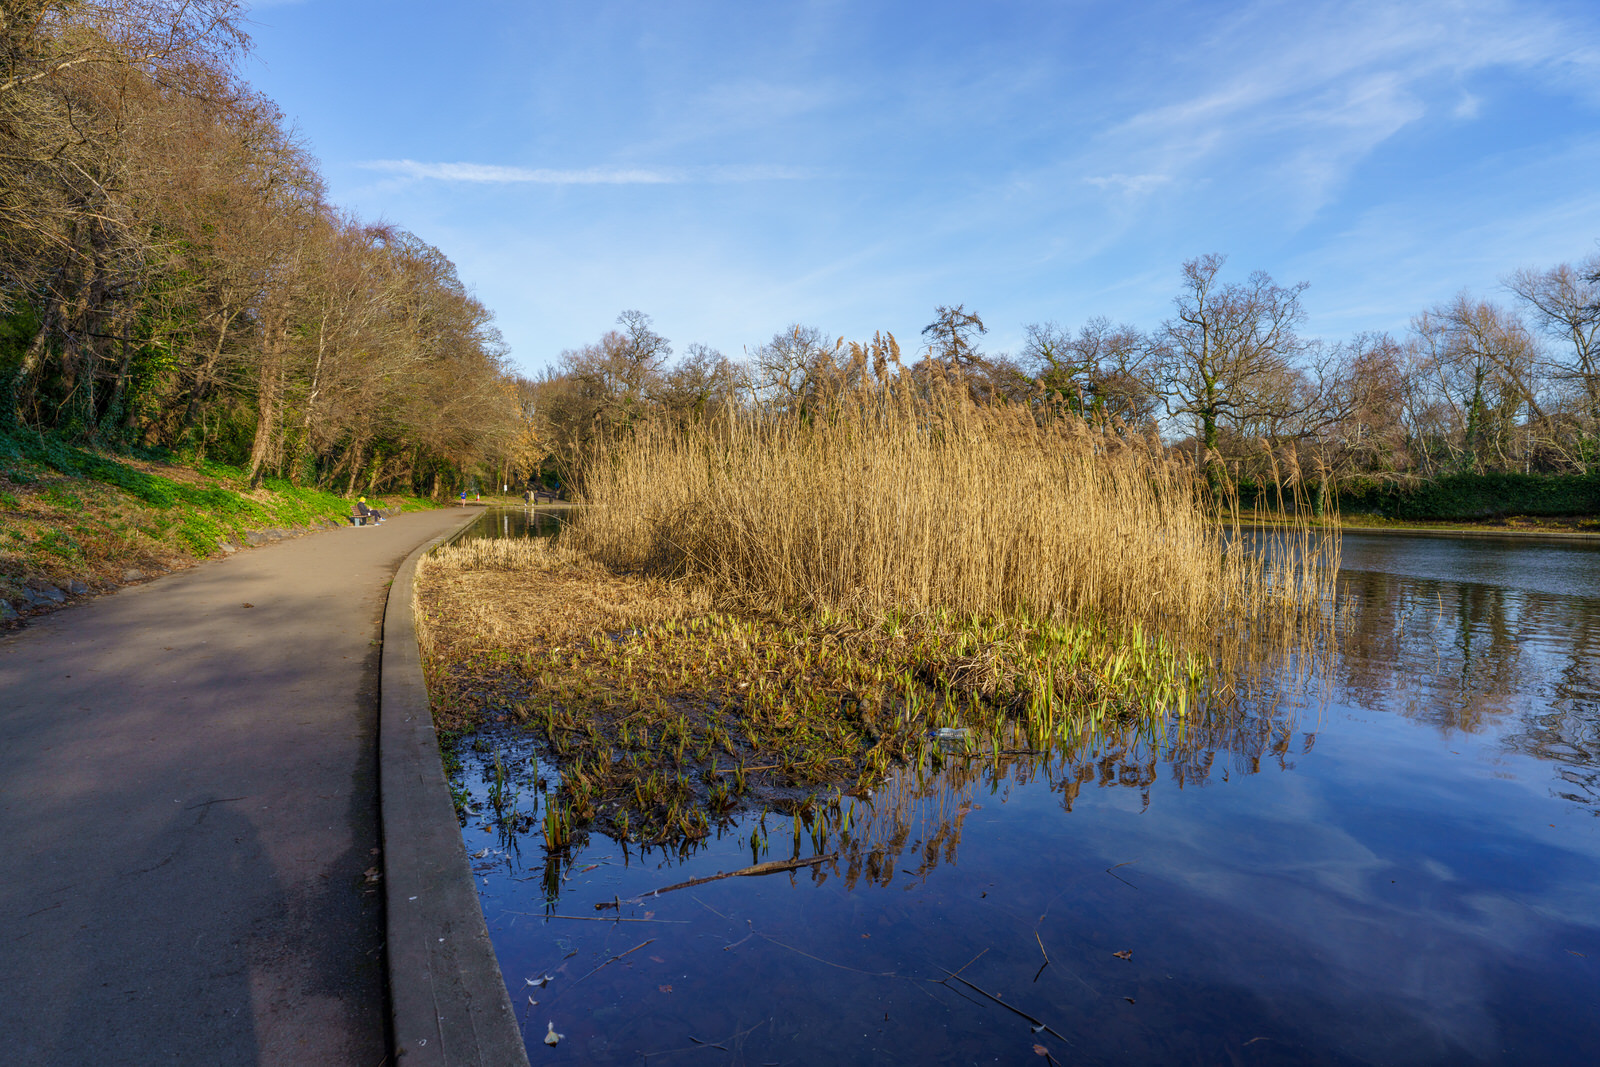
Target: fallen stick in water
636,948
1037,1024
744,872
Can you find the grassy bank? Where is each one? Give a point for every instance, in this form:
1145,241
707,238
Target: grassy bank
772,614
74,521
1533,525
1529,524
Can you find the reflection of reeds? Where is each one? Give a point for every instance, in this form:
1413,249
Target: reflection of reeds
891,500
915,820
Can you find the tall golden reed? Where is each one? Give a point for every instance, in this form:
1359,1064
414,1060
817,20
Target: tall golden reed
908,497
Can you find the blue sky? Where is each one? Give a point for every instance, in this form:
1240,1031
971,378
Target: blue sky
730,168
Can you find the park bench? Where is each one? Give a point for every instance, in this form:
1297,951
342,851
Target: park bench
363,515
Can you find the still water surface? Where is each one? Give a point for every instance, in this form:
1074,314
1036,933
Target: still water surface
1398,863
515,522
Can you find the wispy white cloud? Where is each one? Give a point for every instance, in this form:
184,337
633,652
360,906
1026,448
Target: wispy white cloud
491,173
1306,93
1132,184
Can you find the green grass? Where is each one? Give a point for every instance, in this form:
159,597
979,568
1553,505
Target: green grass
89,515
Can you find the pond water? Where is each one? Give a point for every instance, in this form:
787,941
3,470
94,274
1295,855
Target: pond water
1398,862
514,522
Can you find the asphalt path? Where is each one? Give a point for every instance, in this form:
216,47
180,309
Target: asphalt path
189,813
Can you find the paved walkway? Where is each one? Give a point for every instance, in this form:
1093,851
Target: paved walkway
188,804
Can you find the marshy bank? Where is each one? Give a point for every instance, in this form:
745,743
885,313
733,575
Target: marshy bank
667,718
773,615
1393,860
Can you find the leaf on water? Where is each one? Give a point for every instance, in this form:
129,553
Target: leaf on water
551,1037
1125,954
664,988
1575,952
1040,1050
658,959
543,980
373,874
478,855
1128,999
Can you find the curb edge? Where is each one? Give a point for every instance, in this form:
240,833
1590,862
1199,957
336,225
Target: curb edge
448,1003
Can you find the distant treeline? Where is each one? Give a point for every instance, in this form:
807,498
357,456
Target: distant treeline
1470,497
172,276
1478,409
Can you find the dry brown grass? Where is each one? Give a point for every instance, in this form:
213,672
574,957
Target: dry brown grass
527,597
892,502
534,593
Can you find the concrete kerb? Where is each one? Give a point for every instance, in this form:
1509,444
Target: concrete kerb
447,1000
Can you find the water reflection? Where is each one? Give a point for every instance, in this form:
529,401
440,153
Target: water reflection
516,522
1392,860
1455,634
1503,662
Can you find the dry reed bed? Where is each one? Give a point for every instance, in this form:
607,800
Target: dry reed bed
891,501
761,615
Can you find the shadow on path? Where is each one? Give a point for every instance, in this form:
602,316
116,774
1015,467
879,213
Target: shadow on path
188,807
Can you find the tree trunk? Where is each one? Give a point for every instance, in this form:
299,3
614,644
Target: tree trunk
22,381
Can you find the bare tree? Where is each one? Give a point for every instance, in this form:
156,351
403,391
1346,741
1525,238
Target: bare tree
952,337
1225,355
701,384
788,372
1564,303
1484,363
1101,372
1363,392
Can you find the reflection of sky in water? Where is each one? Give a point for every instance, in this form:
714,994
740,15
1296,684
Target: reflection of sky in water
1564,567
1406,871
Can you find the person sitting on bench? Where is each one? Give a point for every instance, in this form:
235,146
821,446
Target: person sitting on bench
361,514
